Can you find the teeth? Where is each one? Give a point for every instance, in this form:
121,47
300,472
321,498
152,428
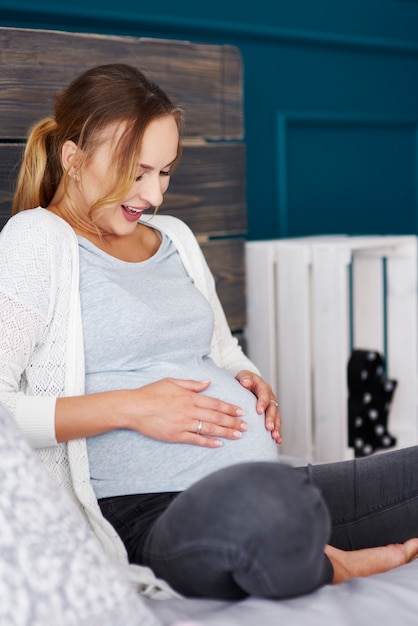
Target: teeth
132,209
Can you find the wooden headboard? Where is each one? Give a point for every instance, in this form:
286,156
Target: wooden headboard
208,189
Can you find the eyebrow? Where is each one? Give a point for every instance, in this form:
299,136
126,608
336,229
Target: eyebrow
144,166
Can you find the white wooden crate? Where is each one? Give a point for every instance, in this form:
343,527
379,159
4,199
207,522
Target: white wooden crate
310,301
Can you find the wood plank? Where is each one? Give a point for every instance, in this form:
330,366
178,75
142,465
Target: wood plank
225,258
233,81
10,157
207,190
206,80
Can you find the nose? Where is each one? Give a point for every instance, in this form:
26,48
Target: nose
152,189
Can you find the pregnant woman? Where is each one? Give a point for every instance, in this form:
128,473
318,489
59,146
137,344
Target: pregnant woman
118,365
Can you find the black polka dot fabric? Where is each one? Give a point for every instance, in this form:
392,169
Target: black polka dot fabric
370,396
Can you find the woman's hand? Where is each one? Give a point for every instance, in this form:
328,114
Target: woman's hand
266,401
176,411
171,410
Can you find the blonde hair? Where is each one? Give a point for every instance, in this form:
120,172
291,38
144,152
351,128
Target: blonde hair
103,95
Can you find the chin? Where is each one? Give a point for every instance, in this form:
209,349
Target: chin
120,228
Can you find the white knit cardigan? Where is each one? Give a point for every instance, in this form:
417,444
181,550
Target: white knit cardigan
42,351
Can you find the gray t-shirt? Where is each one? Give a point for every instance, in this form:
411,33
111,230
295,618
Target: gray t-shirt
144,322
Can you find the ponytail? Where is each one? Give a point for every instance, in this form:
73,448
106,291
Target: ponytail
41,168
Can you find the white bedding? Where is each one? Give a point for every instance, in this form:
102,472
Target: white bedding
382,600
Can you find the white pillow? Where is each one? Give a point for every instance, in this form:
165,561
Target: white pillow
53,571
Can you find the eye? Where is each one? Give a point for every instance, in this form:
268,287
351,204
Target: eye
165,173
138,178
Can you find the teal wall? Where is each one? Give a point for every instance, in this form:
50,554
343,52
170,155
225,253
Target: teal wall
331,100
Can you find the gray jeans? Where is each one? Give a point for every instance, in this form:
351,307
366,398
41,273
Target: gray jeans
260,528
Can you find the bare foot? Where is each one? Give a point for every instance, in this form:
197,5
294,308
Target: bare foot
358,563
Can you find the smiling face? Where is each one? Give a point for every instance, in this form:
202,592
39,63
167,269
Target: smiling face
159,149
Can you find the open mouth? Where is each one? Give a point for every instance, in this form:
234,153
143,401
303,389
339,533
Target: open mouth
132,210
131,213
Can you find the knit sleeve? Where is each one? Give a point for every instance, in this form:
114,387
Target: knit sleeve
24,306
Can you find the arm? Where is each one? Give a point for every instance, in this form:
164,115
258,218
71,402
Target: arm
21,328
168,410
24,301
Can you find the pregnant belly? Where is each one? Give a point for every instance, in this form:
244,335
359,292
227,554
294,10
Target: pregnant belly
125,462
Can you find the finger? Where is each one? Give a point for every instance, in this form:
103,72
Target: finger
273,419
209,429
191,385
276,430
217,408
276,436
246,382
208,434
263,392
271,411
217,425
203,442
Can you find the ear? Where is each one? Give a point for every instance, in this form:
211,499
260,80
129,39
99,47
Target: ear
68,155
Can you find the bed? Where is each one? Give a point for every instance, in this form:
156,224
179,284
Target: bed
44,581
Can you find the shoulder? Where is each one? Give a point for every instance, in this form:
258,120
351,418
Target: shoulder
38,218
36,227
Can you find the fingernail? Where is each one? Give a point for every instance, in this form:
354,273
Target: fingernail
236,434
218,443
244,426
239,412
